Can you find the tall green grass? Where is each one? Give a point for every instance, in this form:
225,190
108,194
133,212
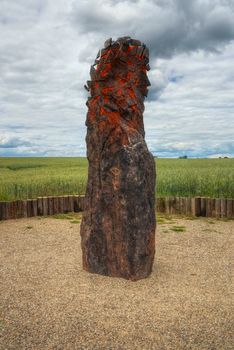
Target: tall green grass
195,177
22,178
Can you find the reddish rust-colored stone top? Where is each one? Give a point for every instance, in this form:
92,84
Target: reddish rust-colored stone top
118,86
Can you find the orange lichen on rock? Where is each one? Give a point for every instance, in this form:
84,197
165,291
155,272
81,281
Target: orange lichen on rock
119,76
118,224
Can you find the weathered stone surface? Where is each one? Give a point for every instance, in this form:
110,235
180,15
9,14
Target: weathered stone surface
118,225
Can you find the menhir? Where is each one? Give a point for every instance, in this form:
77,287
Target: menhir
118,225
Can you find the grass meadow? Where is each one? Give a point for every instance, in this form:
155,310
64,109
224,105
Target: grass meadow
22,178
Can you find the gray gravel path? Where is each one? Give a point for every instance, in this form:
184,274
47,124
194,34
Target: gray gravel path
49,302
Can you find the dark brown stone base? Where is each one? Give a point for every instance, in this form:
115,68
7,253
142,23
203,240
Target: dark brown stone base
118,226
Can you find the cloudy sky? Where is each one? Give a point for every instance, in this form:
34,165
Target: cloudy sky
47,47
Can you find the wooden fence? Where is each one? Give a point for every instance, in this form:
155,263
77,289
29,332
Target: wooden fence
43,206
197,206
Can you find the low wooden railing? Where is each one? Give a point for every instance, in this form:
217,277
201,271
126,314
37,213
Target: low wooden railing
197,206
43,206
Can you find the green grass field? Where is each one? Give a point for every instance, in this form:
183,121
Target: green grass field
22,178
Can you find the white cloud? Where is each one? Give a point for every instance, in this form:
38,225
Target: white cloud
7,141
46,50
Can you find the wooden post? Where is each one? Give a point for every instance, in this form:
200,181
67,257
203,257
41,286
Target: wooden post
217,207
40,206
165,204
6,214
34,207
167,208
60,205
71,203
183,205
162,205
188,206
157,204
45,203
29,208
76,203
213,212
79,203
19,209
8,210
196,206
177,205
50,205
56,205
223,208
172,205
180,206
82,202
65,204
208,207
24,207
169,205
230,203
15,210
203,206
3,210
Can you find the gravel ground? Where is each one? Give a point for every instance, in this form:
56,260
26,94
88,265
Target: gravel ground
49,302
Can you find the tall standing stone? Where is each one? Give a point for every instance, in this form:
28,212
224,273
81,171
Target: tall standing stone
118,225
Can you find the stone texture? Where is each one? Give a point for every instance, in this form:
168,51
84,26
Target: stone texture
118,225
